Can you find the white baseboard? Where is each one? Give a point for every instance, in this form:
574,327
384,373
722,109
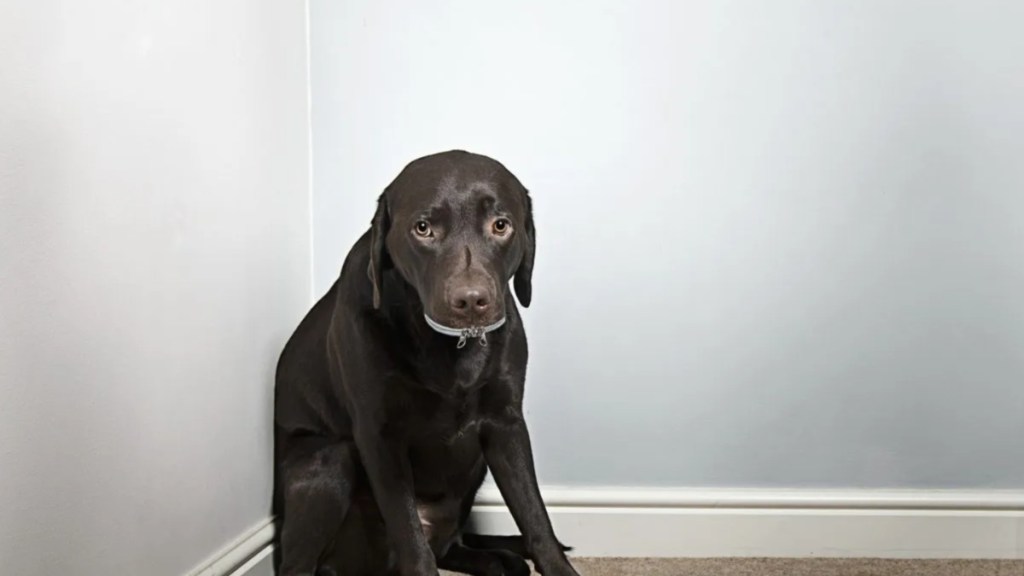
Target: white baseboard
776,523
736,523
248,555
262,564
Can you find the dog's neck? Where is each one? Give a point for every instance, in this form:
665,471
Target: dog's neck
439,363
402,306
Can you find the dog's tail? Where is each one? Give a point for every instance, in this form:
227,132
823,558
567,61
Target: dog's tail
513,544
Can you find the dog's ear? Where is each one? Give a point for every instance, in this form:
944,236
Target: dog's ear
378,253
523,279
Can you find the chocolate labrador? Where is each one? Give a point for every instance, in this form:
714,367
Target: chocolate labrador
404,384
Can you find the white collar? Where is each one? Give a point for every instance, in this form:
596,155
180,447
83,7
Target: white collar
464,334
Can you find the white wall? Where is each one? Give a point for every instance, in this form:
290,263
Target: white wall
780,243
154,256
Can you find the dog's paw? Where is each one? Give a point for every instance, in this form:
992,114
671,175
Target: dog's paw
513,564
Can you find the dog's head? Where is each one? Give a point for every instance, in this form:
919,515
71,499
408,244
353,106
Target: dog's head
457,227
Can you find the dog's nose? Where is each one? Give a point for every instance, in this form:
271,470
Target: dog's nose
470,300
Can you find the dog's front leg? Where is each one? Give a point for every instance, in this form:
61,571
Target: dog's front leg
509,455
387,466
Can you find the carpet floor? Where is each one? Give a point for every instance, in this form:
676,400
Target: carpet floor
794,567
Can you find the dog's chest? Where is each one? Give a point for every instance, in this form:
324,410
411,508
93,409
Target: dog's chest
446,420
444,447
446,368
445,400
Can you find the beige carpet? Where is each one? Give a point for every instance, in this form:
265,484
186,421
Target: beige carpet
794,567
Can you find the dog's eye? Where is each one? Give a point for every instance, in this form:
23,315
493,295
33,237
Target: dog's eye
501,226
422,229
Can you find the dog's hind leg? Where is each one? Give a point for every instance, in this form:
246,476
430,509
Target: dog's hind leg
460,558
318,478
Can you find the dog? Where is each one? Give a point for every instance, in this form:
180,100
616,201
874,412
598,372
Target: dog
404,383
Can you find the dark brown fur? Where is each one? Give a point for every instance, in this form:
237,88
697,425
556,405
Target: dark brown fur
385,430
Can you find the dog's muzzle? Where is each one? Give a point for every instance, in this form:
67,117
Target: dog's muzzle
464,334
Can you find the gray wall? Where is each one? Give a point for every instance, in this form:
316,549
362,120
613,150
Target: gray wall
154,256
781,243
